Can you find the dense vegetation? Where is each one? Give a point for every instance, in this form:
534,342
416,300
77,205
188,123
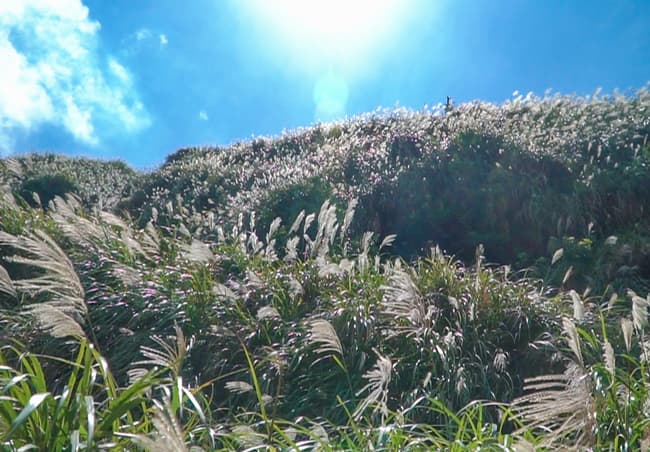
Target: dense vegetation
462,279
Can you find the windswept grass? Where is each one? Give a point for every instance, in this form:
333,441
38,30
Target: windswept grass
289,293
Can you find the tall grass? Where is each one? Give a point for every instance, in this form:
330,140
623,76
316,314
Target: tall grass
192,322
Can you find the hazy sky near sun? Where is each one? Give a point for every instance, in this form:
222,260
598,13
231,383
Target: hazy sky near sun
137,80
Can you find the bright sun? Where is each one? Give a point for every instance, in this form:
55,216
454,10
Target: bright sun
335,30
332,42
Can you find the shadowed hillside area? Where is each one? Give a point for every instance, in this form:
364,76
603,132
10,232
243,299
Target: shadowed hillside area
476,276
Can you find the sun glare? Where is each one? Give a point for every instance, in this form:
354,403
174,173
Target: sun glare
332,42
330,30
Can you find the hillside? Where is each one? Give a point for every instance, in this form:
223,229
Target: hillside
461,278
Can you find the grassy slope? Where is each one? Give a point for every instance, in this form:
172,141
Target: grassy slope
314,319
520,178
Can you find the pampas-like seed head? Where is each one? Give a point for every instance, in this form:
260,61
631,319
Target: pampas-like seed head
578,306
267,312
6,285
573,339
379,378
297,222
627,326
170,356
639,310
59,282
609,358
198,252
168,435
323,334
239,387
560,405
347,219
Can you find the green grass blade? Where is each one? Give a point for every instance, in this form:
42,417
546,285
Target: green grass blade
34,402
90,419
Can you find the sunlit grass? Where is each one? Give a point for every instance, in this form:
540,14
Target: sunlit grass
188,321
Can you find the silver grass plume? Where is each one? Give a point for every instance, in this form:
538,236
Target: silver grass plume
645,351
239,387
347,219
14,167
561,406
198,252
326,233
210,222
273,228
403,302
327,268
76,228
168,436
37,199
127,238
319,432
295,288
168,355
297,222
248,438
578,306
323,334
267,313
7,198
6,284
362,259
54,321
379,378
292,249
92,232
308,221
269,251
388,241
126,274
112,220
183,231
253,281
609,357
58,281
573,339
223,291
627,327
253,243
150,239
639,310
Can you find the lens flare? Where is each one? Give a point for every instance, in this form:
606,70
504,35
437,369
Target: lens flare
330,97
335,31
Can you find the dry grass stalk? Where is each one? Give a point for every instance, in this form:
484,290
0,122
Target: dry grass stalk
323,334
378,381
168,436
6,285
170,356
403,303
561,406
198,252
64,309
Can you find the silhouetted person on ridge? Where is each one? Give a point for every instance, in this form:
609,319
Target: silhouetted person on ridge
450,104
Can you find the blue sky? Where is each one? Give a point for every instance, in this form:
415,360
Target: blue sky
137,80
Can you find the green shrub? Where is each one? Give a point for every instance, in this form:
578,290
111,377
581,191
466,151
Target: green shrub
47,187
288,202
481,192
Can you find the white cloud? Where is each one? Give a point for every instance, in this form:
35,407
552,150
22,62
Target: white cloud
52,72
142,34
119,71
203,115
143,39
78,122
